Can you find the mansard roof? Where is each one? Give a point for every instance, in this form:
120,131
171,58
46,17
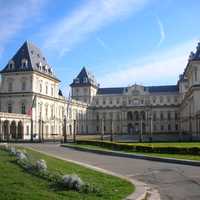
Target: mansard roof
33,59
84,78
117,90
163,88
151,89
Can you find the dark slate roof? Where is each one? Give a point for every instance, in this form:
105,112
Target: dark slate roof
34,58
117,90
84,78
163,88
196,55
151,89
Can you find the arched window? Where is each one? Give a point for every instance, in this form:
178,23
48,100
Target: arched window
9,108
129,116
161,116
23,108
169,115
154,116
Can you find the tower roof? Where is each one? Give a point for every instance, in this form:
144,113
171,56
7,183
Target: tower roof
84,78
29,58
196,55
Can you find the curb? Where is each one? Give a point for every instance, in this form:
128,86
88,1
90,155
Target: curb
141,188
136,156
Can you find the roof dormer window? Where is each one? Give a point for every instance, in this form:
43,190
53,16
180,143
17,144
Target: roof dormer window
11,65
85,80
50,70
24,63
77,80
39,65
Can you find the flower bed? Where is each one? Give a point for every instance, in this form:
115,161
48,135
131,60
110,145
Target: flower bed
40,168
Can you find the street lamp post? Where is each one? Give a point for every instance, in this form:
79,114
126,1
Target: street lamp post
141,130
64,130
111,135
74,135
102,129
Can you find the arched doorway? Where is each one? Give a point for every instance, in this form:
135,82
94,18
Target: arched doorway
129,116
13,130
6,130
136,116
20,130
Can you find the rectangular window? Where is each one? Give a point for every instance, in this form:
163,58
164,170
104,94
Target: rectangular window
195,74
46,89
9,108
23,85
161,116
40,87
169,127
51,91
169,116
10,86
27,130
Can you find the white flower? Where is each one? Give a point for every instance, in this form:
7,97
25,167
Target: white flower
41,165
72,182
20,155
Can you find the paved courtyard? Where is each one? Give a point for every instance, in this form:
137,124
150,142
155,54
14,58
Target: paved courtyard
174,181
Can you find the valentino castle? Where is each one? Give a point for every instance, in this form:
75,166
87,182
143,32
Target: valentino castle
33,107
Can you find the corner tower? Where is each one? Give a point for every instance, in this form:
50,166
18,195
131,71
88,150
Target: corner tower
84,86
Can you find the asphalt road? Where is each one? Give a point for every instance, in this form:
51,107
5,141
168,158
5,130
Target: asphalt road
174,181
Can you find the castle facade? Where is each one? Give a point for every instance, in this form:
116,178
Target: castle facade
33,107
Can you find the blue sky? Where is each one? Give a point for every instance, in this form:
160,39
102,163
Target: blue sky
121,42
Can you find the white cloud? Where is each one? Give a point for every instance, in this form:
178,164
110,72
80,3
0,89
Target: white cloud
162,31
158,68
87,19
14,15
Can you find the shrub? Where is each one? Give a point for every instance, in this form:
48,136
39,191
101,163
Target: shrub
72,182
142,147
20,155
41,165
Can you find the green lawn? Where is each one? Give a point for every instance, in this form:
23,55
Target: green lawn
16,184
163,155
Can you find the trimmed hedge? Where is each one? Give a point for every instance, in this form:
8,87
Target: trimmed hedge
142,148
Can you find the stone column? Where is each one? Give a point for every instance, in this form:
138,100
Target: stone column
8,131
